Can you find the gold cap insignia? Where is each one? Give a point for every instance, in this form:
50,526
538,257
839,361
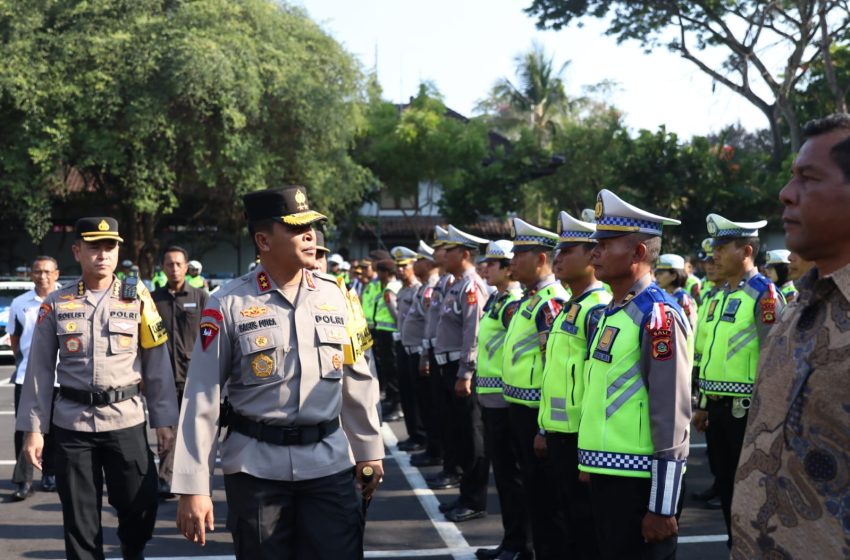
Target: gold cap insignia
600,209
301,200
103,226
70,326
261,341
262,365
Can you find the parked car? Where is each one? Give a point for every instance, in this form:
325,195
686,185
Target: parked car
9,290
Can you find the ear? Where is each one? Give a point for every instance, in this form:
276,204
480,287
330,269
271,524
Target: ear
542,258
748,252
262,242
639,253
75,248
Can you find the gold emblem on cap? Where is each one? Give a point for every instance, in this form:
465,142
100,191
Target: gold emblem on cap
70,326
103,226
262,365
600,209
301,200
261,341
336,361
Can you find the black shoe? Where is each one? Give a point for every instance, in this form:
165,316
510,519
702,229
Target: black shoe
410,446
164,490
23,492
444,482
446,507
425,459
705,495
48,483
510,555
461,514
713,503
488,553
128,553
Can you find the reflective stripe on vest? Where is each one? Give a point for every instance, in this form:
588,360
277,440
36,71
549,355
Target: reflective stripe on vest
709,303
383,318
562,388
369,300
491,344
522,363
731,348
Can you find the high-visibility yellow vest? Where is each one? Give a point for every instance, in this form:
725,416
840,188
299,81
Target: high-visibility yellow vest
522,362
491,342
615,436
731,348
369,299
705,311
384,321
562,388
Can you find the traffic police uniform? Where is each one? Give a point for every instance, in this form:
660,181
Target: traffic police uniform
412,333
386,333
681,295
561,394
406,375
111,349
634,430
502,451
522,375
780,257
456,352
293,376
736,327
442,402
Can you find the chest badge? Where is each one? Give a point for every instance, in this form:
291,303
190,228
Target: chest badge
125,341
72,344
606,341
263,366
261,341
336,361
254,311
70,326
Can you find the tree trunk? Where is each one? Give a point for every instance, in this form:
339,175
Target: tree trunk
828,67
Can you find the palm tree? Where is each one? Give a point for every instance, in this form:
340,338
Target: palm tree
538,101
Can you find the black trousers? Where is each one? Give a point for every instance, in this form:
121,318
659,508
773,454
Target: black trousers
23,471
725,437
442,407
82,460
503,452
320,519
466,431
408,370
548,525
572,497
425,403
619,504
385,363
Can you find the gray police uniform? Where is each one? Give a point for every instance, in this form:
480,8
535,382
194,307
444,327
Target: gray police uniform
108,349
408,364
412,336
281,362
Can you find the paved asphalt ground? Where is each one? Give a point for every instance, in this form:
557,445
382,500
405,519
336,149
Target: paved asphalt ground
403,520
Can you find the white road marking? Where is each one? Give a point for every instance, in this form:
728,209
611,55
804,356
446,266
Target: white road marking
447,530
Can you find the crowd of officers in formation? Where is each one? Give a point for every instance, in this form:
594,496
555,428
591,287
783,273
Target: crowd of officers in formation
573,363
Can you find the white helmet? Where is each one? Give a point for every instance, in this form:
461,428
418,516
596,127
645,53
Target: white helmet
196,265
336,258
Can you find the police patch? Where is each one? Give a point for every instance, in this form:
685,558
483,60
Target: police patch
212,314
711,307
43,311
208,333
73,344
662,348
606,341
572,313
263,366
254,311
731,309
263,281
768,310
70,306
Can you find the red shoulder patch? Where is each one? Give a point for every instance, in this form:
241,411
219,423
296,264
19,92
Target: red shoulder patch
662,348
213,314
43,311
208,333
768,309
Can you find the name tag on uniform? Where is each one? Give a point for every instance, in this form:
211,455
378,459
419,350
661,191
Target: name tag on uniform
569,324
731,309
606,341
711,307
190,305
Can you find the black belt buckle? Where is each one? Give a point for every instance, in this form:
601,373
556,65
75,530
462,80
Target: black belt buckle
98,399
291,435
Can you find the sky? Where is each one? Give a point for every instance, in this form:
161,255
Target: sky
464,46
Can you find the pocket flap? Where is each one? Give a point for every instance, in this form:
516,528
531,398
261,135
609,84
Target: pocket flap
120,325
259,340
332,334
69,327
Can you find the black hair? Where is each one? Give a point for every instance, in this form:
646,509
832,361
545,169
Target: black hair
840,151
175,249
45,258
752,242
781,273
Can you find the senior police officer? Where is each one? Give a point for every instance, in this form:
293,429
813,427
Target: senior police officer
502,451
522,374
562,389
634,431
736,328
275,340
111,347
456,352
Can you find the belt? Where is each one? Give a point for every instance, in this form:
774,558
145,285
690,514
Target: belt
426,343
281,435
413,350
445,357
98,398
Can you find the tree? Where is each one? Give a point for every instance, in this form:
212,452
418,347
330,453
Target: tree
150,103
538,101
743,29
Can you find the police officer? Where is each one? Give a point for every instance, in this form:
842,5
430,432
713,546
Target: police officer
386,332
194,277
634,431
502,451
405,259
562,389
111,348
522,374
456,352
671,277
747,308
321,252
776,268
275,340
